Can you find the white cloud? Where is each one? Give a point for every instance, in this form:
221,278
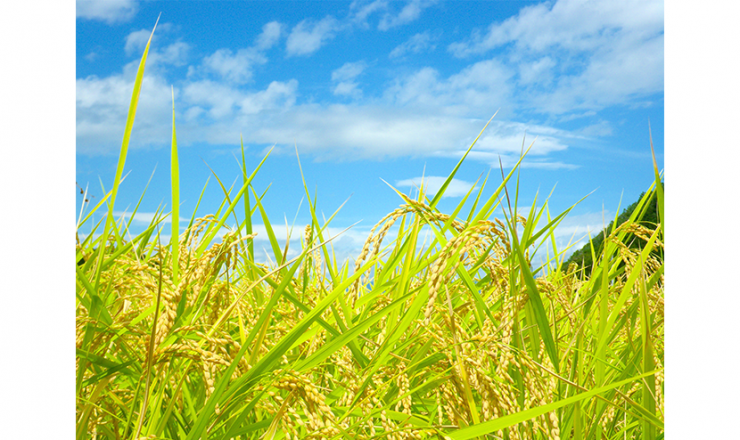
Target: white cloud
422,114
348,71
147,217
220,99
569,24
238,67
102,106
504,140
175,54
432,184
480,87
612,51
601,128
360,10
216,113
136,41
225,102
416,44
234,67
270,35
617,76
109,11
277,96
344,79
538,71
308,36
347,88
409,13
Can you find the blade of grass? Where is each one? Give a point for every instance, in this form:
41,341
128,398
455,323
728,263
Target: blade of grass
540,315
150,353
175,185
447,181
122,157
513,419
206,241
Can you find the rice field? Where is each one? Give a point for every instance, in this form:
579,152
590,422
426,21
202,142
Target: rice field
460,338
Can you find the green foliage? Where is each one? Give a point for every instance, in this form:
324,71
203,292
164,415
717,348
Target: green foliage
583,259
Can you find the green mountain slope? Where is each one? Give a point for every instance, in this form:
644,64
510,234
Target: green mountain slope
582,257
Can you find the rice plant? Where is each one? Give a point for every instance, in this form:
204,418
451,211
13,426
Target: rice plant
459,338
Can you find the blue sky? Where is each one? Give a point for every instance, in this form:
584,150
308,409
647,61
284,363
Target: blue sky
371,90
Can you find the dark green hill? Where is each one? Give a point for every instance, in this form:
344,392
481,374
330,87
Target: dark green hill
582,257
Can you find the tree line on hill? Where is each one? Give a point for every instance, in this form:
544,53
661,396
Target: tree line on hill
583,257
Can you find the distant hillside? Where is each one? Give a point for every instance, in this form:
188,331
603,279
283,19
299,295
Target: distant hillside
582,257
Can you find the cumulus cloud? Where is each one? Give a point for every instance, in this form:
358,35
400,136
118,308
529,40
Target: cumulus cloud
308,36
238,67
234,67
270,35
109,11
348,71
504,140
432,185
217,112
422,113
344,79
172,54
136,41
418,43
619,75
409,13
480,87
568,24
102,106
175,54
611,52
537,71
360,10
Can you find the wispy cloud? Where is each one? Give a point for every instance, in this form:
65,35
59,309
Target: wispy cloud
109,11
569,24
482,86
224,102
148,217
308,36
360,10
102,105
232,66
409,13
344,79
174,53
136,41
271,33
432,185
238,67
421,42
612,52
419,113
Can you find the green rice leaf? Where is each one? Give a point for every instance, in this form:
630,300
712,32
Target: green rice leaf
175,184
124,150
513,419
